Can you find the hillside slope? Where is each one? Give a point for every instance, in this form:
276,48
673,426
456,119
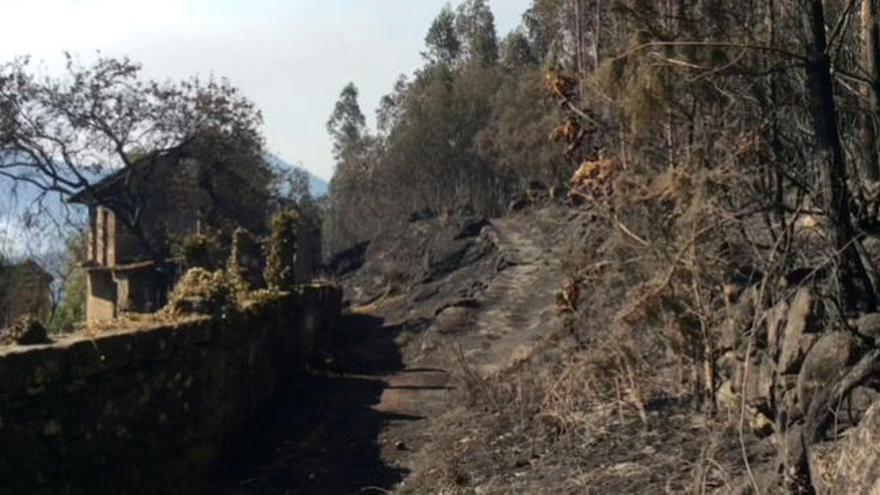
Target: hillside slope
479,292
455,375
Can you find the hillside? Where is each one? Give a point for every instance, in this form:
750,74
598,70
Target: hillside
625,247
483,296
463,373
456,375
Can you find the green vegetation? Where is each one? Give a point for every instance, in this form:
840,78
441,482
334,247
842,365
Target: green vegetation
466,131
206,251
200,291
71,309
280,273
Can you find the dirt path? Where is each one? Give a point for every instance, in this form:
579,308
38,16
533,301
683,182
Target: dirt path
518,305
360,431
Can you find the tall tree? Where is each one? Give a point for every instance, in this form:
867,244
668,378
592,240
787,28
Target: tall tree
543,22
517,52
347,125
390,109
855,285
475,25
353,148
444,46
870,31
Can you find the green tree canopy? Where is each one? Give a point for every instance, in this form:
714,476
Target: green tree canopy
475,25
442,41
347,125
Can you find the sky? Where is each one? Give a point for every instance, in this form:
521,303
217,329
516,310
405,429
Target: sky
291,57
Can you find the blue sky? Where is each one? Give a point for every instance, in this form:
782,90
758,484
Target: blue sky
292,57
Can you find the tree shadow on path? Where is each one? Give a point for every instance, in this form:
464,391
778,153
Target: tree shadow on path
322,434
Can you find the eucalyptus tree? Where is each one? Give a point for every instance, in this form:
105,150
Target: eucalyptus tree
442,40
475,25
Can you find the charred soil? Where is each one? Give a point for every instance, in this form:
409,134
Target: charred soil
454,374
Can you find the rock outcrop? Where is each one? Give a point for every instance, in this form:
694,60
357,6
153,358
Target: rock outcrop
850,466
827,362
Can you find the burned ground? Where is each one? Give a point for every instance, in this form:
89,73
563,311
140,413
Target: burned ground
457,375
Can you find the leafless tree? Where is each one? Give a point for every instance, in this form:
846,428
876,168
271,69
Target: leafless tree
59,135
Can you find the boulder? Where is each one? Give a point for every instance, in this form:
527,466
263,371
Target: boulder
739,316
828,361
868,325
871,245
804,316
823,467
852,466
453,320
757,386
776,317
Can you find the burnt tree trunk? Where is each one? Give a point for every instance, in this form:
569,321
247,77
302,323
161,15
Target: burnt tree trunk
853,283
850,275
870,31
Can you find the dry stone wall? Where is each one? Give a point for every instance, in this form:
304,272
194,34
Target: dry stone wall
150,410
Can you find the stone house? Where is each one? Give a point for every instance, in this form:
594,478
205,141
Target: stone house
25,290
131,269
128,263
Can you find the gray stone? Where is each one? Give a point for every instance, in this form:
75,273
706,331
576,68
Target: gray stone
868,325
827,362
740,314
823,466
852,466
454,319
872,250
757,386
795,342
776,317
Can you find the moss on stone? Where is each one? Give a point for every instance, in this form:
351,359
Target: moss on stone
203,292
281,255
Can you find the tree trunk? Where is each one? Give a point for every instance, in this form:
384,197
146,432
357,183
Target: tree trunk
597,35
850,275
870,168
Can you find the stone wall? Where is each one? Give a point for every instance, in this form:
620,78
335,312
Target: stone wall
150,410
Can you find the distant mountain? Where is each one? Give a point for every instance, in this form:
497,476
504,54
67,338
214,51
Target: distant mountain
317,186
